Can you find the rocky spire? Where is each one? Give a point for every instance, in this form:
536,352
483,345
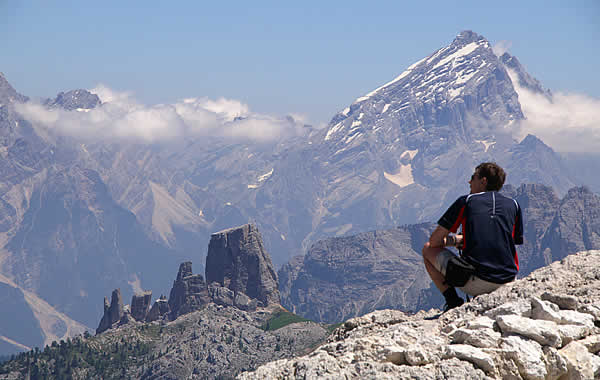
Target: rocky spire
237,260
189,291
113,313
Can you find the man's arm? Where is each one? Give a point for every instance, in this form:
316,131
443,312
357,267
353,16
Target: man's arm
440,238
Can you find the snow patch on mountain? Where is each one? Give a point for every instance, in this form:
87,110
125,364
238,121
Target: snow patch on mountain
486,143
409,153
402,178
398,78
466,50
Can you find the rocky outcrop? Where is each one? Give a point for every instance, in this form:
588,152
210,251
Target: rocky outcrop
340,278
188,293
242,276
140,304
576,225
237,260
74,100
112,313
544,326
159,309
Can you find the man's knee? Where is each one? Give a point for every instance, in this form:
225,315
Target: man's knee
425,248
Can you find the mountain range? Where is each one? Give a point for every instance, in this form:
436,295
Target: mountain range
80,217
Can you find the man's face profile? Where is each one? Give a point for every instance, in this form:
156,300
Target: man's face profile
477,183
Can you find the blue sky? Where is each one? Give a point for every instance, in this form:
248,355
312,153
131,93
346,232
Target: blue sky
310,58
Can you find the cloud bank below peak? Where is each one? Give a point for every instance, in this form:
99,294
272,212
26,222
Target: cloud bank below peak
122,117
567,122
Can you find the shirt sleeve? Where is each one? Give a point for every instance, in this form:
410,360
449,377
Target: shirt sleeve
453,217
518,229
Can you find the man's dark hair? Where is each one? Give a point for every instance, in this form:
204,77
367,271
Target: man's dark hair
494,173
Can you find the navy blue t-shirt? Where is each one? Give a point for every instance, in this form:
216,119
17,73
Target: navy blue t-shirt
491,224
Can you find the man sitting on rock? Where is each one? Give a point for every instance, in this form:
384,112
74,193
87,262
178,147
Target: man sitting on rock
491,225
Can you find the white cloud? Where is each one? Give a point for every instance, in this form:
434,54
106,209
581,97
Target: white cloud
120,116
566,122
501,47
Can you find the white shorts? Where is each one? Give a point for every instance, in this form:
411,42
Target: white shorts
475,286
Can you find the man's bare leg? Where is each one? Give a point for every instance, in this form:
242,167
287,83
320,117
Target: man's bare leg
429,257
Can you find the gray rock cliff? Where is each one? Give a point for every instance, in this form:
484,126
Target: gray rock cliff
237,260
140,305
340,278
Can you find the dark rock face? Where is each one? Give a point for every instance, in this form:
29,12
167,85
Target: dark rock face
140,304
539,204
575,227
237,260
74,99
158,310
112,313
345,277
189,291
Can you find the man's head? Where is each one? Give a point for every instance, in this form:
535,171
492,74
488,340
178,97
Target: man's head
488,176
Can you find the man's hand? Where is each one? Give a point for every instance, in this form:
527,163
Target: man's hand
454,241
438,237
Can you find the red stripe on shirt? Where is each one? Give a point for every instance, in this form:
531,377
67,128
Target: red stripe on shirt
513,236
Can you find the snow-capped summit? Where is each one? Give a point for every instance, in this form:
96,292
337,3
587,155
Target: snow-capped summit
404,142
462,79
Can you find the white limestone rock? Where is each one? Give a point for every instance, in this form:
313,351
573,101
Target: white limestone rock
544,332
569,333
528,356
593,310
572,317
555,363
592,343
581,363
482,338
481,323
473,355
544,310
562,300
519,307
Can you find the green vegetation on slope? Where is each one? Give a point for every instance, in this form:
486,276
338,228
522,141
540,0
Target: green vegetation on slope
77,357
280,319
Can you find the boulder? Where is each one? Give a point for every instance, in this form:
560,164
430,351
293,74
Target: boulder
112,313
237,260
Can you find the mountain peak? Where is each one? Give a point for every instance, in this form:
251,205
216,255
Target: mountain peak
523,77
467,36
74,100
462,80
8,94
